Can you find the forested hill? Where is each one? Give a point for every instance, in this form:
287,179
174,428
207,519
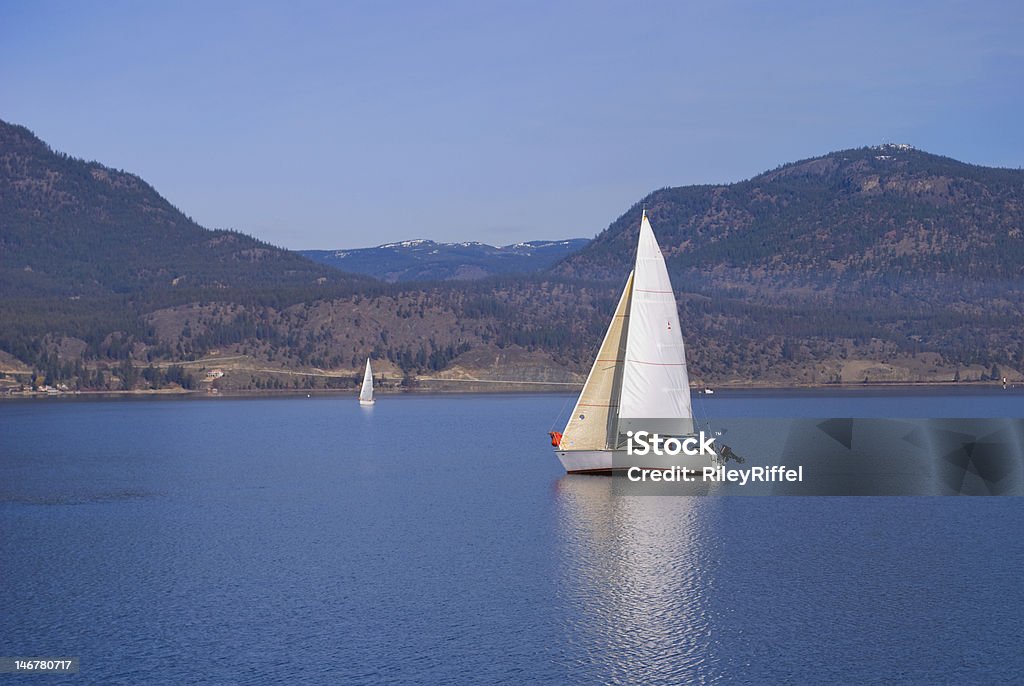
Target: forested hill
888,213
73,228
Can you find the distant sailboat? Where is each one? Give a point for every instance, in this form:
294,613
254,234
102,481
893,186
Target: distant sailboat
366,392
639,379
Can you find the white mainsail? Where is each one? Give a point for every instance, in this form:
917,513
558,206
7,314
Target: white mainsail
655,383
366,392
639,379
593,420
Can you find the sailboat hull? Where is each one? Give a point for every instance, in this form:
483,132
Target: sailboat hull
608,461
367,402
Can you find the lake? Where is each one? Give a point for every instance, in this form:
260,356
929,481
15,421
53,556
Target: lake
435,539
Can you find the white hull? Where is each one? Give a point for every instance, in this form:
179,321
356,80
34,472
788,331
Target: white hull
367,402
596,461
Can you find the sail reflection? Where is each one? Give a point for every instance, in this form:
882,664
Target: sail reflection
637,572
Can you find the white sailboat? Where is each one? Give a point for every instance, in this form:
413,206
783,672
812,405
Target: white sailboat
638,380
366,392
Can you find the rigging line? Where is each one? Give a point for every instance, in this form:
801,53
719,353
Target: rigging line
558,417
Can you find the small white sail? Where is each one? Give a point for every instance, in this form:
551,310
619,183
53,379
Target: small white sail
655,383
366,392
594,418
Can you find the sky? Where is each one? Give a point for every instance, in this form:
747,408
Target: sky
350,124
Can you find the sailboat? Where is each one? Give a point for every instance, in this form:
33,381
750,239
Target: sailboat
366,392
639,379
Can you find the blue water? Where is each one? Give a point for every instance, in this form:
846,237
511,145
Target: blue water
436,540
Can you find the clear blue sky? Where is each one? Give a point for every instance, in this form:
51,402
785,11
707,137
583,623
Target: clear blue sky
328,125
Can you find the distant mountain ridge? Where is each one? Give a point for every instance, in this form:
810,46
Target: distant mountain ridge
426,260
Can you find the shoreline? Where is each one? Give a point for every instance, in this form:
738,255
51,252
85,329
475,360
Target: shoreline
474,387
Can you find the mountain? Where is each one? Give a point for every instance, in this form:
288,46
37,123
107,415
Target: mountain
73,228
878,263
425,260
888,214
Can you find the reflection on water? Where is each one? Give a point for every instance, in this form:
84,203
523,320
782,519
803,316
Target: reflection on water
638,572
788,590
